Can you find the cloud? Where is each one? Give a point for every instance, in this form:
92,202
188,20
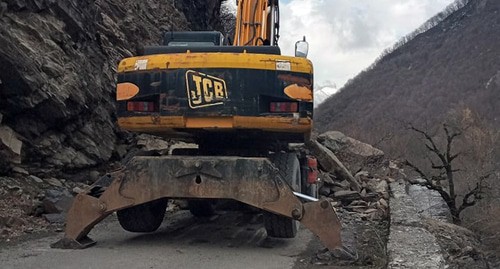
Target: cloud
346,36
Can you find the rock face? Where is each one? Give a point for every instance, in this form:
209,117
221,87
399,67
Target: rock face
57,65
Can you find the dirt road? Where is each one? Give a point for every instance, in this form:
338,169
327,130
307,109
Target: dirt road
230,240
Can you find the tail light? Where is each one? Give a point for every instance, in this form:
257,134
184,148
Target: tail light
141,106
312,171
280,107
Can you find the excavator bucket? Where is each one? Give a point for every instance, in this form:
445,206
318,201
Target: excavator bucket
253,181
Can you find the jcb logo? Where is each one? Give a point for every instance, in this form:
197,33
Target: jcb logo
204,90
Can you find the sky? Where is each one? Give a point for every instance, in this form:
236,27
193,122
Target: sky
346,36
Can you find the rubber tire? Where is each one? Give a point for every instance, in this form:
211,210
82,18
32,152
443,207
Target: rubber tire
289,170
312,190
201,208
143,218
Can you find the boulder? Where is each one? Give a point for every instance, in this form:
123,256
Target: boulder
337,141
10,145
334,140
355,154
57,201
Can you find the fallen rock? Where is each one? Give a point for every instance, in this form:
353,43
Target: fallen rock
57,201
54,218
334,140
77,190
13,221
11,144
354,153
14,189
382,188
337,141
20,170
378,186
362,175
94,176
383,203
54,182
347,195
36,179
36,209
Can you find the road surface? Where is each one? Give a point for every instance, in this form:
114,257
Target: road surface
229,240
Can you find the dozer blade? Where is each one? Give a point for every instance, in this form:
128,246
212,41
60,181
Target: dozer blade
253,181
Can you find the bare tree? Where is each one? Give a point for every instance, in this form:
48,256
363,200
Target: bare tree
441,160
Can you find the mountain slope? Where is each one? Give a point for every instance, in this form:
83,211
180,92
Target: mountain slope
454,64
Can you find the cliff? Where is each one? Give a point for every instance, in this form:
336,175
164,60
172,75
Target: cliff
57,72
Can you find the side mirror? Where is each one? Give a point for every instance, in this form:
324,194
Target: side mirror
301,48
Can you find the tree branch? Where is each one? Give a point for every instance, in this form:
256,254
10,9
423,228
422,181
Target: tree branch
439,167
416,169
475,193
465,201
433,148
452,157
449,138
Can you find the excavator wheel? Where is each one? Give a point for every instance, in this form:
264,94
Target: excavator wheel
289,169
143,218
202,208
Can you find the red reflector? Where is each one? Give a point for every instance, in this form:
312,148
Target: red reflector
312,171
283,107
141,106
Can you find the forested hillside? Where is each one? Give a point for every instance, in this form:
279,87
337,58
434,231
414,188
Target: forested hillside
453,64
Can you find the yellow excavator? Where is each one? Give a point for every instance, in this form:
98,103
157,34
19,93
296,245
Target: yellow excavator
243,104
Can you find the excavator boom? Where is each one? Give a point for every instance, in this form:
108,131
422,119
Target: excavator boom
257,23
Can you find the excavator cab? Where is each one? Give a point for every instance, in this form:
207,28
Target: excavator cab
193,39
